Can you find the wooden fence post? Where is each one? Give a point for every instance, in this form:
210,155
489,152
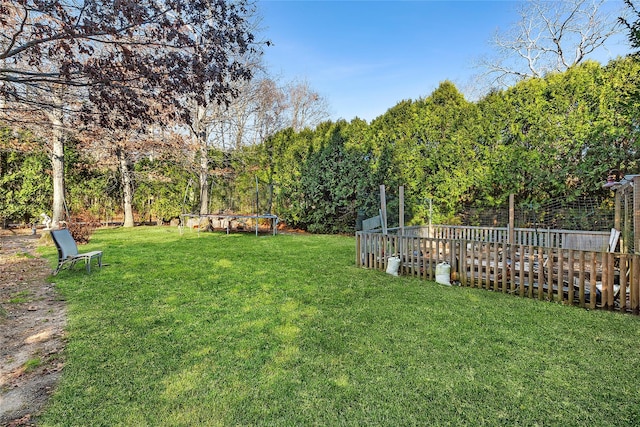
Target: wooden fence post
636,214
635,284
623,283
383,209
581,278
512,225
401,195
570,276
592,281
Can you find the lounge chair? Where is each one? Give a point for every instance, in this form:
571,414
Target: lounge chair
68,251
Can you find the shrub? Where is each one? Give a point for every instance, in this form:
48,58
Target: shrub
82,228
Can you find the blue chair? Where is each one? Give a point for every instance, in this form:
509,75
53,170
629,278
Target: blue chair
68,251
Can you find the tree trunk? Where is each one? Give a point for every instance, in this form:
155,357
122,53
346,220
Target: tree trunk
204,178
127,187
57,165
200,136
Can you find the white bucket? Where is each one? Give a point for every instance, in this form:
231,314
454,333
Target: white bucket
443,274
393,264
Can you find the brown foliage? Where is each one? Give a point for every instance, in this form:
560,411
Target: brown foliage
82,228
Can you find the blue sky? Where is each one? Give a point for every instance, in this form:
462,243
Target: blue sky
366,56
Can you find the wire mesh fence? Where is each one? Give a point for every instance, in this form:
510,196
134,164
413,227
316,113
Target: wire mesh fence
594,214
587,213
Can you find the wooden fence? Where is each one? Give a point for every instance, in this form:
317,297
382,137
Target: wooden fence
591,279
567,239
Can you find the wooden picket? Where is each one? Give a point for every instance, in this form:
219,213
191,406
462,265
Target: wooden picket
588,279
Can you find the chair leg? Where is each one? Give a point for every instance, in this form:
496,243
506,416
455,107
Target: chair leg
71,263
61,265
88,262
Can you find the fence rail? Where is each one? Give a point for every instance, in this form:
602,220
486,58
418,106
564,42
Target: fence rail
588,278
566,239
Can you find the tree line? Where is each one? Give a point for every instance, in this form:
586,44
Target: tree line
237,140
541,139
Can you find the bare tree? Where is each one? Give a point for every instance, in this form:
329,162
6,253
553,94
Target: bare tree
270,108
550,36
221,125
260,109
632,26
307,108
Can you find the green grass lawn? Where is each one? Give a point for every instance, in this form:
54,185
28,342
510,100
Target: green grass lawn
213,329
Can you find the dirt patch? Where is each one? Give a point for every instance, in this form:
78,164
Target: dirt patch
32,322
